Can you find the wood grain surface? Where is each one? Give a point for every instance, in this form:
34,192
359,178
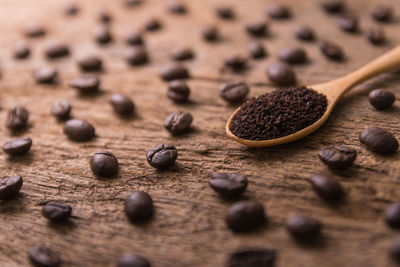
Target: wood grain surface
188,228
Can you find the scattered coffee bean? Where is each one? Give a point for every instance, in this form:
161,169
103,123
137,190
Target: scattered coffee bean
333,6
21,50
56,50
252,258
104,17
210,33
379,140
56,211
326,187
293,55
228,184
337,157
130,260
153,25
382,13
174,71
376,36
257,29
281,74
178,91
304,33
104,164
278,11
46,74
182,53
162,156
71,9
245,216
34,30
394,250
61,110
348,23
392,215
236,62
225,12
10,187
234,91
178,122
90,63
302,227
43,257
331,50
17,147
136,56
133,3
381,99
86,84
257,50
177,8
17,118
122,104
102,34
133,38
139,206
79,130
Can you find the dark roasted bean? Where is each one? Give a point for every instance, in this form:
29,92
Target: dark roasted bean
174,71
56,50
381,99
348,23
382,13
178,122
178,91
257,50
139,206
21,50
79,130
333,6
303,227
130,260
136,56
104,17
56,211
278,11
122,104
210,33
162,156
376,36
177,8
17,147
43,257
234,91
133,38
46,74
236,62
228,184
17,118
225,12
104,164
337,157
153,25
90,63
102,34
182,53
392,215
61,110
10,187
34,30
257,29
379,140
331,50
86,84
394,250
245,216
304,33
326,187
252,258
281,74
293,55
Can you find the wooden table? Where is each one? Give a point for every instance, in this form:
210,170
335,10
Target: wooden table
188,228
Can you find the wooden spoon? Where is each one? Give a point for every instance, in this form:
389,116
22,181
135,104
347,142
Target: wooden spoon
333,91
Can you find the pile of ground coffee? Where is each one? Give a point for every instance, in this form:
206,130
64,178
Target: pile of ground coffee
277,114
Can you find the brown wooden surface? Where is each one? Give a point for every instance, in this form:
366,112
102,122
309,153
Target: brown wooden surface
188,228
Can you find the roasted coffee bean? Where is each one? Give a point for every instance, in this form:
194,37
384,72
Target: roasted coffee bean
257,29
46,74
302,227
177,8
136,56
71,9
90,63
293,55
133,3
178,122
79,130
162,156
122,104
178,91
379,140
182,53
17,147
392,215
382,13
104,164
61,110
174,71
56,50
228,184
21,50
326,187
337,157
43,257
86,84
252,258
257,50
348,23
278,11
331,50
375,36
394,250
236,62
56,211
245,216
104,17
10,186
333,6
225,12
281,74
210,33
130,260
34,30
139,206
304,33
153,25
102,34
234,91
17,118
381,99
133,38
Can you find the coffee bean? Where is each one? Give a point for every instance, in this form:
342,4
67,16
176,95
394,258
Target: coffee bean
293,55
236,62
177,8
257,29
381,99
162,156
122,104
130,260
234,91
17,147
394,250
46,74
182,53
133,3
375,36
337,157
302,227
379,140
104,164
278,11
257,50
225,12
104,17
348,23
139,206
304,33
21,50
56,50
17,118
331,50
174,71
326,187
153,25
228,184
133,38
210,33
392,215
102,34
252,258
79,130
61,110
136,56
90,63
281,74
10,187
71,9
178,122
178,91
246,215
34,30
333,6
56,211
86,84
382,13
44,257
